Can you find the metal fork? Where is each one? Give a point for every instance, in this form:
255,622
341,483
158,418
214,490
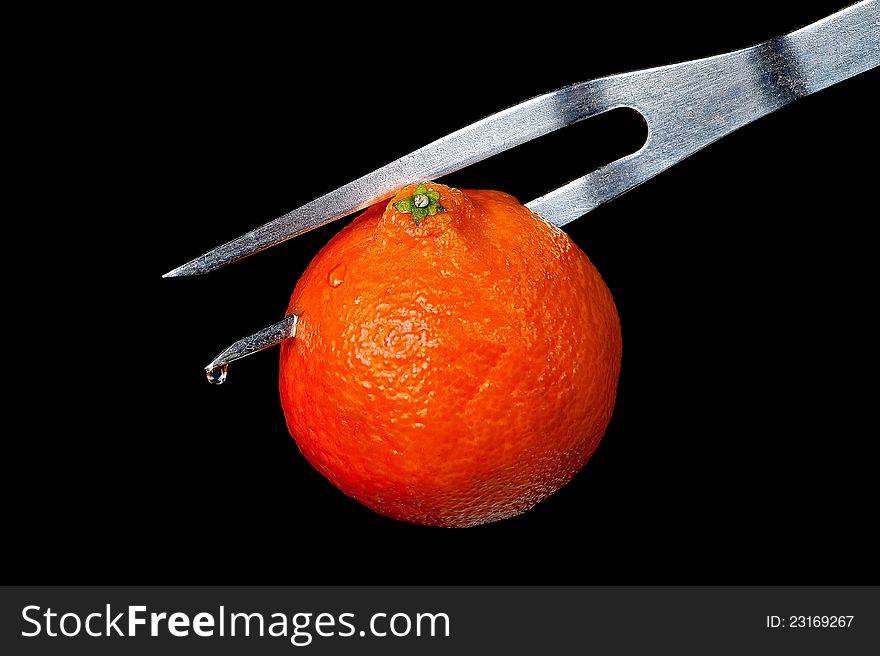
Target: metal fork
686,106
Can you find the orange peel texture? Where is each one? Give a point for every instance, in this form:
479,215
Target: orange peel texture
451,371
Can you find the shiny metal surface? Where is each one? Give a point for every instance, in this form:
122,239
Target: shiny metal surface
269,336
687,106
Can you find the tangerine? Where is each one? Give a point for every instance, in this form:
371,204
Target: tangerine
455,361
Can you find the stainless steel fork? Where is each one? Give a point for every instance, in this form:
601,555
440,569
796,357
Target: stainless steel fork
686,106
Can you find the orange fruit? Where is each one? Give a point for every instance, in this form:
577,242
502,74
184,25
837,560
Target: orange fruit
455,361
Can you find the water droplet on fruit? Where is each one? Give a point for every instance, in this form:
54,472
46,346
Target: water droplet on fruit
336,276
217,375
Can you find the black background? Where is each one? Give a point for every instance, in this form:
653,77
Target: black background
743,441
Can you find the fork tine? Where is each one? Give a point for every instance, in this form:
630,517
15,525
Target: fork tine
571,201
262,339
492,135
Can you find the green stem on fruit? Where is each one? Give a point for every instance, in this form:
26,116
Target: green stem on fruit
424,202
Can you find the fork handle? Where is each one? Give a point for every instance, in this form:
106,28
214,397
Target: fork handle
832,49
